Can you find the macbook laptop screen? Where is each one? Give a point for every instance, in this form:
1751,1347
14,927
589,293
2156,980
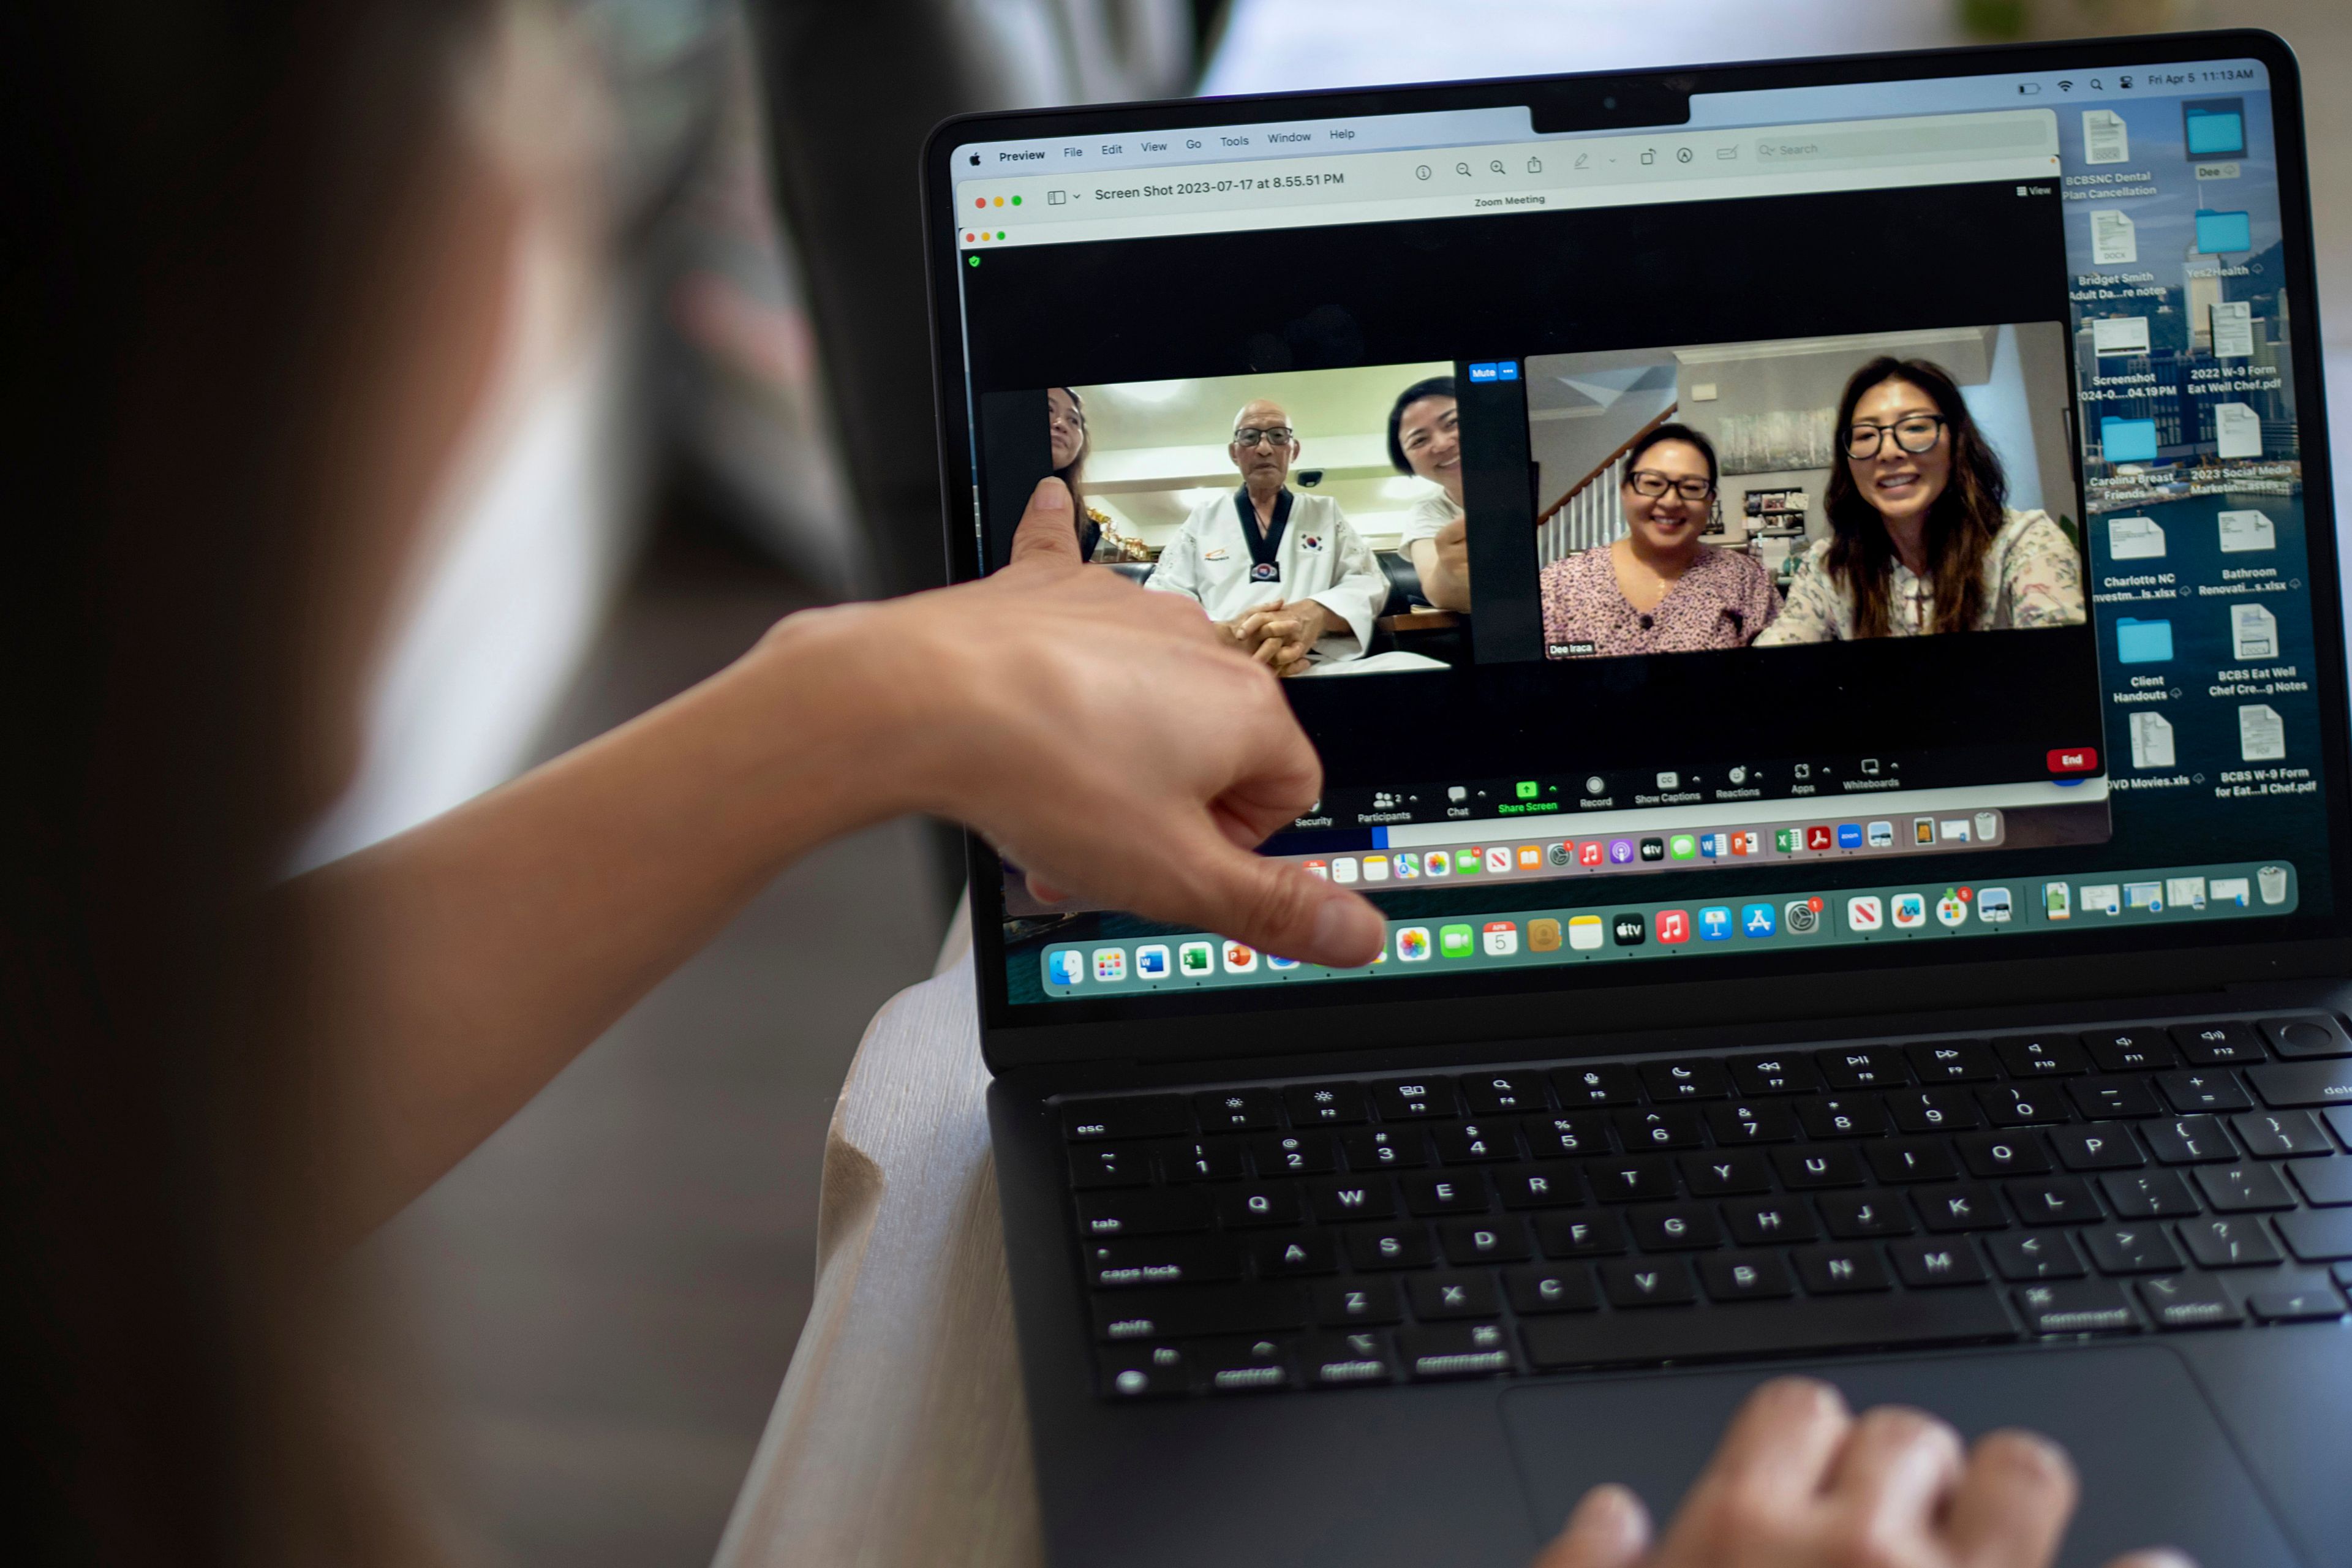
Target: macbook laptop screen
1857,516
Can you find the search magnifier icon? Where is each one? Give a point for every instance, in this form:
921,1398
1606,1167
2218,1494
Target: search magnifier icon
1461,168
1496,165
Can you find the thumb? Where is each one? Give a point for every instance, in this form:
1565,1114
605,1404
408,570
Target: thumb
1610,1529
1047,528
1279,908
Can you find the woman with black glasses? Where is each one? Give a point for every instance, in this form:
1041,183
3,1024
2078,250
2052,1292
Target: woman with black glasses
1921,537
1658,589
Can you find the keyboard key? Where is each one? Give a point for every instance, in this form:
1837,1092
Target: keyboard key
2189,1140
1569,1133
1237,1109
1156,1212
1674,1227
1398,1245
1551,1288
1298,1253
1110,1165
2305,1038
2318,1235
1933,1111
1743,1122
1144,1372
2274,1134
1819,1165
1579,1233
2150,1195
1453,1350
2217,1243
1840,1323
2339,1121
1672,1082
1952,1061
1472,1142
2099,1146
1387,1149
1746,1277
2129,1050
2003,1155
2041,1056
2056,1200
1553,1185
1613,1084
2087,1307
2310,1304
1436,1297
1841,1116
1342,1361
1338,1198
1140,1116
1325,1104
2216,1044
2326,1183
1934,1264
1780,1073
1250,1364
2045,1254
1648,1282
1667,1127
1762,1222
1295,1154
2104,1099
1734,1171
1852,1216
1416,1100
2244,1188
2189,1302
1911,1160
1963,1205
1503,1093
1630,1177
1257,1204
1454,1192
1833,1270
1161,1260
1203,1160
1864,1066
1467,1241
1192,1310
2024,1105
2210,1090
2130,1250
2303,1083
1340,1303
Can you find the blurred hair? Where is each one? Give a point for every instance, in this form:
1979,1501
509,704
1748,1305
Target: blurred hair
1430,386
1072,476
1672,432
1961,523
200,198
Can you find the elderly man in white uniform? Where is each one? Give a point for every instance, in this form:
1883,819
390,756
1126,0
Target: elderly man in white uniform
1283,574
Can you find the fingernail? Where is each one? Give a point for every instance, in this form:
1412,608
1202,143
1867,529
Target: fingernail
1051,496
1611,1517
1348,931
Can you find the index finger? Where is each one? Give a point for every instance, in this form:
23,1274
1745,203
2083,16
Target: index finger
1782,1443
2012,1504
1047,531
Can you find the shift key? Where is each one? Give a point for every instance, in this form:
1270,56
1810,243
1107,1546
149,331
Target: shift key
2284,1084
1154,1211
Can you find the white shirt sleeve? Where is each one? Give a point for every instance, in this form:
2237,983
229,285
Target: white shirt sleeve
1429,515
1357,594
1179,567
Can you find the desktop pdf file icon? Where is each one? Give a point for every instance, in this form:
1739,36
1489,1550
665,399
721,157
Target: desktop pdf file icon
2143,642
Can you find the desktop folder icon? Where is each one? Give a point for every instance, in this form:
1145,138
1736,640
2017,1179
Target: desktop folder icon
2127,440
2143,642
2220,232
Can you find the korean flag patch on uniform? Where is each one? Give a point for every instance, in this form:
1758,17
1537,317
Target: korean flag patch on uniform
1311,542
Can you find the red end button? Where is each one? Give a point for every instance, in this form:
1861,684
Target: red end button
2074,759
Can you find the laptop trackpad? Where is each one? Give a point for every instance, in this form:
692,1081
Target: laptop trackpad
2156,1466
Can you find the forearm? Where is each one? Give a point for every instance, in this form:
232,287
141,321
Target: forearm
1441,583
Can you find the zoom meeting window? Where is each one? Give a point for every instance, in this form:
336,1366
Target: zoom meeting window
1667,534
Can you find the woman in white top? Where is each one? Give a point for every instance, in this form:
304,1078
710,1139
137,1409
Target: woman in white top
1425,440
1921,539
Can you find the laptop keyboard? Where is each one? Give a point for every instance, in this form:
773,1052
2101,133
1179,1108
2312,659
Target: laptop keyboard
1534,1219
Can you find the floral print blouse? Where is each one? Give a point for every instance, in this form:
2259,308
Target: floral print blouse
1722,601
2032,577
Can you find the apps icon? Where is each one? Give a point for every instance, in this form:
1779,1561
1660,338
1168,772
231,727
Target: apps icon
1151,962
1240,958
1682,846
1674,926
1952,909
1498,857
1819,837
1801,916
1849,836
1653,850
1344,869
2058,901
1318,868
1630,929
1543,936
1881,835
1453,942
1562,854
1500,939
1621,851
1413,944
1994,906
1437,863
1788,840
1110,964
1376,867
1908,910
1407,867
1749,842
1274,963
1756,921
1467,861
1714,923
1531,857
1714,846
1864,912
1591,852
1197,957
1066,966
1584,932
1923,830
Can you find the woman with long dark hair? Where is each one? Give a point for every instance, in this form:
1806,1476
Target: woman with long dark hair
1922,539
1065,427
1425,441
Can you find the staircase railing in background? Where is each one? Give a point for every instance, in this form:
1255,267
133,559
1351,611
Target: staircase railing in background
1591,512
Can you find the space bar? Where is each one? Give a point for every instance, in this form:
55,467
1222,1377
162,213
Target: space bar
1766,1328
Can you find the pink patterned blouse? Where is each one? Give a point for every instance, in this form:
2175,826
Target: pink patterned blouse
1723,601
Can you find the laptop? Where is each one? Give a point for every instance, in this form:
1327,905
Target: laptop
1958,1017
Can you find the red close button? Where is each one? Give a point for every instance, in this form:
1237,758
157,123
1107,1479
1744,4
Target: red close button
2074,759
